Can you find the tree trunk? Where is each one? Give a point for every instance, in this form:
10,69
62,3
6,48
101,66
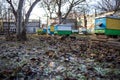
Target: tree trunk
59,11
23,34
85,20
60,17
20,25
71,6
20,31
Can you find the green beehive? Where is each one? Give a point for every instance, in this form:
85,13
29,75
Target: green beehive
64,29
107,25
113,26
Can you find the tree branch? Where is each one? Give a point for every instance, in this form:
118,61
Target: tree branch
13,9
30,10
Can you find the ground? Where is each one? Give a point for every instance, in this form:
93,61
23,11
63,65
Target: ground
76,57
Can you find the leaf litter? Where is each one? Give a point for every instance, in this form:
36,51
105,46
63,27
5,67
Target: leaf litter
59,58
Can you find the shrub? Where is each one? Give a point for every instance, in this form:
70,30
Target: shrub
40,31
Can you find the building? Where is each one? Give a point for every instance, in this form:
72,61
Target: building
72,22
32,26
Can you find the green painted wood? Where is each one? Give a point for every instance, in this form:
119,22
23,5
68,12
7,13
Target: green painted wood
100,31
64,32
112,32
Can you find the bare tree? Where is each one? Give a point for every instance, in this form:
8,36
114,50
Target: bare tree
3,9
1,16
59,5
21,29
48,6
83,10
71,3
108,5
0,9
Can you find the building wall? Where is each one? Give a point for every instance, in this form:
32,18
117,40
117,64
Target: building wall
90,22
32,29
6,25
73,22
31,26
1,24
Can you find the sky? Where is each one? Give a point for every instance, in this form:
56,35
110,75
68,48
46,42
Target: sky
40,13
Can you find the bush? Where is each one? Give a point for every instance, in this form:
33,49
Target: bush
40,31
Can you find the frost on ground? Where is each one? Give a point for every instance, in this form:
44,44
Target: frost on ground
58,58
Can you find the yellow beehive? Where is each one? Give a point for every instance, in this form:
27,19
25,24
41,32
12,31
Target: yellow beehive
52,28
113,23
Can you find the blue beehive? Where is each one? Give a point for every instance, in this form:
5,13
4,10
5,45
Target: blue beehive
100,25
